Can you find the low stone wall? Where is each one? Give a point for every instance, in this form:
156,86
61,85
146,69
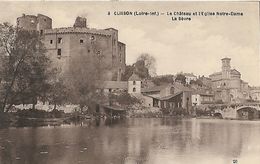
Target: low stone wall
145,112
48,108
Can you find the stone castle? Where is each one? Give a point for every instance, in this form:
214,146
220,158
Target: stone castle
63,43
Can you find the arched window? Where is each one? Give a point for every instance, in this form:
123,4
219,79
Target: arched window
134,82
134,89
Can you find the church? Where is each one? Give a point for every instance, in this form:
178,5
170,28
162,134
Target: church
228,85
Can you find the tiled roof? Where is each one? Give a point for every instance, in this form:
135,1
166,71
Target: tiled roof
203,93
171,96
67,30
216,73
234,71
134,77
161,87
155,97
154,88
113,85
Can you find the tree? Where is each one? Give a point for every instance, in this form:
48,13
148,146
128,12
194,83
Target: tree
144,67
149,63
129,69
84,76
196,82
141,70
124,99
25,66
58,93
166,79
181,78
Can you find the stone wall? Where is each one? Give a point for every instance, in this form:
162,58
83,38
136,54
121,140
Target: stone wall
33,23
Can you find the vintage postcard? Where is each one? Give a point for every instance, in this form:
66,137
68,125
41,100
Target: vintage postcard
129,82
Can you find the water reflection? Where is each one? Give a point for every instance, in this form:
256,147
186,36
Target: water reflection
133,141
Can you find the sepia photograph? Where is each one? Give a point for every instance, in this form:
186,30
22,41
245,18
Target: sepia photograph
133,82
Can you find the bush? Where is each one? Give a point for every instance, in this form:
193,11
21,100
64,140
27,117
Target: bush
33,113
124,99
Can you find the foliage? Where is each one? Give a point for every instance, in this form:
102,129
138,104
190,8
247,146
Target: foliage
181,78
167,79
57,93
25,66
196,82
31,113
129,69
124,99
149,63
84,77
144,67
141,70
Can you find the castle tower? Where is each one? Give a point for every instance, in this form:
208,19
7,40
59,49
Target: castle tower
80,22
34,23
226,68
27,22
43,23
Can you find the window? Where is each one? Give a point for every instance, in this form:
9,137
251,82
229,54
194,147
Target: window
134,89
59,40
59,53
41,32
81,41
110,90
92,37
51,41
134,82
88,51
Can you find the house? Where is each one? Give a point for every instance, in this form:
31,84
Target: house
113,86
179,100
168,96
200,97
150,101
134,84
189,77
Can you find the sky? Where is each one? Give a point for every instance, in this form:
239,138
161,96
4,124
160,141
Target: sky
195,46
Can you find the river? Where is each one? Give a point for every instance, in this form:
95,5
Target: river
134,141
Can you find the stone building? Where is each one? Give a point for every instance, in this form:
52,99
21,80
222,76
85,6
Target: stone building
64,43
134,84
201,97
189,77
228,85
